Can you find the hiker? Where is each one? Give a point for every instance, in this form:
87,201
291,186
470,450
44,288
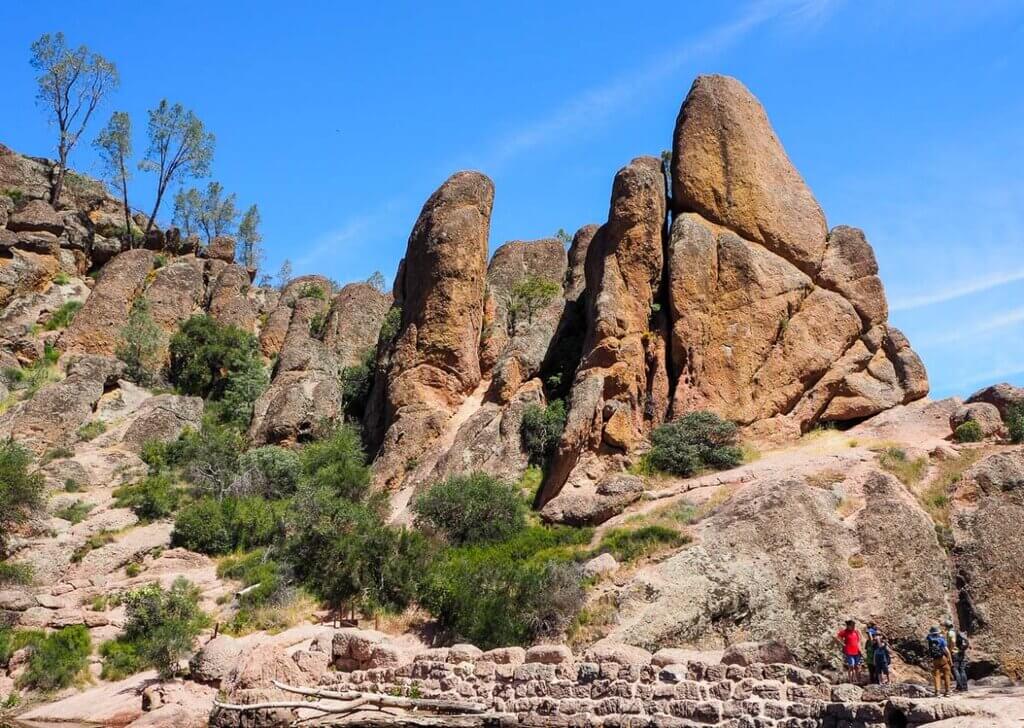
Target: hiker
938,650
849,638
883,658
869,651
958,643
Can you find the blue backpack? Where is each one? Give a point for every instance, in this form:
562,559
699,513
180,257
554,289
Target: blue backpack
936,646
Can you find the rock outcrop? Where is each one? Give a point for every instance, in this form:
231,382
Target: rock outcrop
434,361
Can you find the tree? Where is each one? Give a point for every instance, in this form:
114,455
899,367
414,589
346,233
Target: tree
284,274
179,147
527,297
217,213
250,238
21,490
206,354
377,280
563,237
72,83
162,624
474,508
114,145
141,344
188,206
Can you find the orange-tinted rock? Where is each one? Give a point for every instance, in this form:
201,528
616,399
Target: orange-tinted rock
354,321
229,299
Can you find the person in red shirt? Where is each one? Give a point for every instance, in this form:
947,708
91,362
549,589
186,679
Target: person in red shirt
849,638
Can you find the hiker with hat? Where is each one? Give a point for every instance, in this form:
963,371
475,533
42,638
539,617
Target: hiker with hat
849,638
938,651
870,633
957,643
883,658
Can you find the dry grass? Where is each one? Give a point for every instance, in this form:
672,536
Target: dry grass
907,471
936,496
825,479
277,618
856,562
685,513
411,620
593,622
848,506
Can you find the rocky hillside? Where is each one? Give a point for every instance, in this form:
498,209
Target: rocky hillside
715,284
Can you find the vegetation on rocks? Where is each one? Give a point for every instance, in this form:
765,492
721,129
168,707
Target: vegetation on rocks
1015,422
141,345
471,509
63,316
628,544
160,629
540,429
56,659
908,471
969,431
21,490
152,498
695,441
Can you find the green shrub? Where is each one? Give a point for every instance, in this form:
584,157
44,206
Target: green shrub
269,471
12,640
159,261
337,462
473,508
255,569
540,429
318,325
74,512
390,326
160,628
527,297
63,316
1015,422
627,544
62,279
311,290
57,453
141,344
16,573
696,440
57,659
969,431
16,195
907,471
71,486
21,490
356,384
208,458
133,569
96,541
508,593
91,430
212,526
152,498
209,358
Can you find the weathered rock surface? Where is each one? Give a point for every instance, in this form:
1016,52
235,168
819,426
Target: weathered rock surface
1003,396
222,248
229,299
984,414
96,328
988,553
162,418
295,405
36,216
176,292
729,167
590,506
434,362
622,376
353,323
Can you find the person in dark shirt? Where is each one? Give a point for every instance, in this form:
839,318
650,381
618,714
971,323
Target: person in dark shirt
883,658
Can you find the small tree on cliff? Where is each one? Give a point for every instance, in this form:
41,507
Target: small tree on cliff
114,145
179,147
72,83
187,208
218,212
528,296
141,345
250,238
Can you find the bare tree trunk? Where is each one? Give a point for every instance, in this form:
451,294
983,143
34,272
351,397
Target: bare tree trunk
127,212
58,186
156,206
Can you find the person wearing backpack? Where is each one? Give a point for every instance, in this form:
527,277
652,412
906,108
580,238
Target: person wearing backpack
938,651
958,644
869,651
883,658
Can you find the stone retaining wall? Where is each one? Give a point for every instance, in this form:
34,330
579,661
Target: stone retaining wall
613,686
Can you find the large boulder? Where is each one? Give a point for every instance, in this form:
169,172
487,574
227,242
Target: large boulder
162,418
275,330
576,276
780,560
1003,396
229,299
985,415
36,216
354,321
176,292
988,552
96,328
25,272
295,407
52,417
28,175
729,166
622,377
592,505
302,349
518,332
434,362
222,248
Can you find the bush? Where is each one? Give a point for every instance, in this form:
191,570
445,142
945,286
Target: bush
74,512
390,326
21,490
907,471
207,458
311,290
337,462
15,573
969,431
509,593
475,508
160,628
63,316
206,356
695,441
152,498
527,297
62,279
1015,422
255,569
141,345
356,383
540,429
212,526
630,544
91,430
269,471
57,659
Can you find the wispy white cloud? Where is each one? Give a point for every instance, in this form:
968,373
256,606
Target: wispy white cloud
356,229
602,102
976,331
951,293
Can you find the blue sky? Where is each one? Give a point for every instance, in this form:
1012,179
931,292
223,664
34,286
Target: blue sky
340,118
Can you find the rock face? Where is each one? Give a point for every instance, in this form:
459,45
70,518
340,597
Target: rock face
163,418
729,167
778,561
1002,396
621,386
229,299
434,362
354,321
96,328
989,549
